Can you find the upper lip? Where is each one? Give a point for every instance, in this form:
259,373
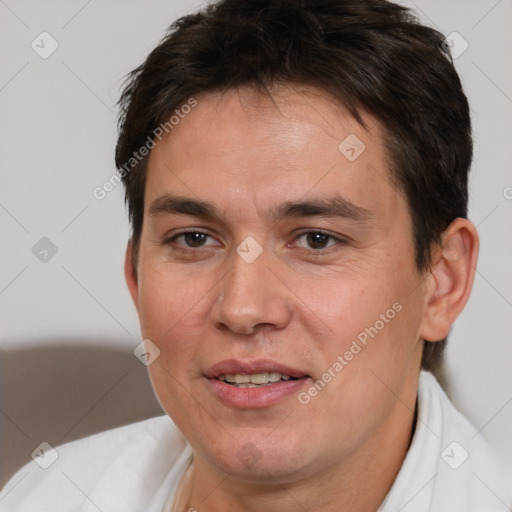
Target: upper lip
234,366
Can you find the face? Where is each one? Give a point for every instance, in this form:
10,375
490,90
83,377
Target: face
270,252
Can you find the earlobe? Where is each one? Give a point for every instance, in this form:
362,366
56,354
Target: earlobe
130,274
450,280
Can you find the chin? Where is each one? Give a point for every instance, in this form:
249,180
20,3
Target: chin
257,459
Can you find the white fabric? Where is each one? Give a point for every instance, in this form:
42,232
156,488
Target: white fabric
430,479
137,468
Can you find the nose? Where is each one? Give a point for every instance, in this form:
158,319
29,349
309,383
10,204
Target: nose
250,296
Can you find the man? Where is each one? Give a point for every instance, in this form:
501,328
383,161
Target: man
296,177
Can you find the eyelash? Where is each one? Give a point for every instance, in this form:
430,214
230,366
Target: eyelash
338,239
174,237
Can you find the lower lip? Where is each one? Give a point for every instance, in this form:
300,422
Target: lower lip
256,398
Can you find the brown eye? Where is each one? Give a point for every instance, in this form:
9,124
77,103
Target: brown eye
315,240
195,239
191,240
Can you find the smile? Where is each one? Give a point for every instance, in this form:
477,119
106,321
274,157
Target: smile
254,384
253,380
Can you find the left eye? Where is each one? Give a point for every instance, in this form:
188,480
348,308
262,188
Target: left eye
315,240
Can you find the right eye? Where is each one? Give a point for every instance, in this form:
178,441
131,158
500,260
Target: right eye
190,239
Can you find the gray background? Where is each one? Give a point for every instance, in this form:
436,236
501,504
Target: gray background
68,327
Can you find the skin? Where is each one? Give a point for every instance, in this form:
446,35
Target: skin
298,303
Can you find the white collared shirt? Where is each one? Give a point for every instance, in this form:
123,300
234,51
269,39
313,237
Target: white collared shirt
449,467
136,468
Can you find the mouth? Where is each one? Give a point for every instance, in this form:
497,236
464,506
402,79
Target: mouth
254,384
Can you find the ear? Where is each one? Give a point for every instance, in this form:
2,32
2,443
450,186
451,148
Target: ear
130,274
450,280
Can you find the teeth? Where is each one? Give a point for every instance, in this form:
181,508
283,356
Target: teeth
274,376
253,380
238,378
264,378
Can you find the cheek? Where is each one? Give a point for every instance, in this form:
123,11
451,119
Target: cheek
171,302
370,318
343,306
173,310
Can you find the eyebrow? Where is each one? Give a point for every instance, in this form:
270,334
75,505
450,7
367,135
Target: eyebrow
335,206
168,204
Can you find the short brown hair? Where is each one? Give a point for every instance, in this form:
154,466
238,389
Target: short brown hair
372,55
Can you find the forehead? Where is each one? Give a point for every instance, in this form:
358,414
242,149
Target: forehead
242,146
252,119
